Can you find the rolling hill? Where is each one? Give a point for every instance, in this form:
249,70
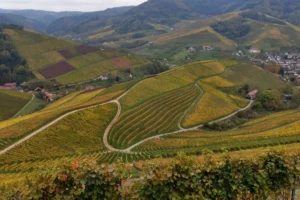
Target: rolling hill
68,62
150,117
37,20
85,22
265,32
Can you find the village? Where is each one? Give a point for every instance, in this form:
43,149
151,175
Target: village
288,61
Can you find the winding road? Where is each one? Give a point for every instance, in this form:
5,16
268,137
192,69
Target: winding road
107,130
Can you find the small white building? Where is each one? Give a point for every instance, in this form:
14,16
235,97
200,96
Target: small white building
254,50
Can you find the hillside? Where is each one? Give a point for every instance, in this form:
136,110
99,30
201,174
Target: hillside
173,99
85,22
149,121
37,20
11,102
226,32
169,12
145,119
68,62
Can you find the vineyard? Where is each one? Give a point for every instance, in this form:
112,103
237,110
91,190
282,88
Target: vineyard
11,102
143,119
157,116
15,129
275,129
78,133
66,61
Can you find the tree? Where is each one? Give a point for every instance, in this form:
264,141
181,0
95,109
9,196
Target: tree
292,79
117,78
281,71
270,99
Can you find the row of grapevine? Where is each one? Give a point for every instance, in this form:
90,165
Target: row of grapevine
263,133
273,175
157,116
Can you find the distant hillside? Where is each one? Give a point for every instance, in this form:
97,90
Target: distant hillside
37,20
168,12
69,62
84,22
6,18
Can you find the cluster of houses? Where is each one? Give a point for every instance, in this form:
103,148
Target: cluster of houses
204,48
47,96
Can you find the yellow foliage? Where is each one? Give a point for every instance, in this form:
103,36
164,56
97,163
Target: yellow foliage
241,102
218,81
213,105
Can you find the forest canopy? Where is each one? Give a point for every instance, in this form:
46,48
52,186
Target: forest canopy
232,29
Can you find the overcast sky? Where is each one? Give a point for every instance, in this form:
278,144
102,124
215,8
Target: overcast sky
66,5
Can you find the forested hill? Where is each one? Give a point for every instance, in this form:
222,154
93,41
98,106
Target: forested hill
171,11
84,22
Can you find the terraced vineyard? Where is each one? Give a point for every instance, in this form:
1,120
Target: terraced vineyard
276,129
66,61
11,102
157,116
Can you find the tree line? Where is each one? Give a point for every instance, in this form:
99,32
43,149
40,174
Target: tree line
12,65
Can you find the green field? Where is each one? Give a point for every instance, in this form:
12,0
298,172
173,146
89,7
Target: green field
11,102
35,105
43,51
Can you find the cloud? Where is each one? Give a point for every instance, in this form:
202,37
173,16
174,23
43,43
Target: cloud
66,5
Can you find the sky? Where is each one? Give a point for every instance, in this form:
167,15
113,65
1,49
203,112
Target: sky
66,5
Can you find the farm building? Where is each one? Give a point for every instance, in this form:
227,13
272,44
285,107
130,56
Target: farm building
207,48
254,50
49,97
9,86
252,95
89,88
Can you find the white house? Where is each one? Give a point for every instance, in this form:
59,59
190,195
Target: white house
254,50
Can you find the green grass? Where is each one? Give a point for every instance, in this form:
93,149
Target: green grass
11,102
255,77
35,105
